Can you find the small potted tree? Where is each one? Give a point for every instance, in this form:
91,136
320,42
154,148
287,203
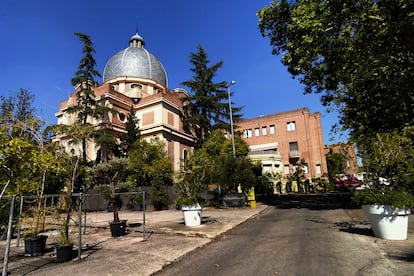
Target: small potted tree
388,159
189,186
111,177
63,214
34,243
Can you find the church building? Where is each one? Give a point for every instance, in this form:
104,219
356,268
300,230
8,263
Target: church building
133,77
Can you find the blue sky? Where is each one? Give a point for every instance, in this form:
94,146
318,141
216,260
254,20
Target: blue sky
39,51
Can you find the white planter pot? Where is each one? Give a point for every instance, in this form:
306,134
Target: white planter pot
192,214
388,222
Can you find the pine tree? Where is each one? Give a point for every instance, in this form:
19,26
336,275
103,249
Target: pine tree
132,133
207,108
84,82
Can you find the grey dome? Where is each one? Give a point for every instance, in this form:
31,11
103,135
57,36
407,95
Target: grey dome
135,61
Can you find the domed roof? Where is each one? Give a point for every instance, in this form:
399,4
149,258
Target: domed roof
135,61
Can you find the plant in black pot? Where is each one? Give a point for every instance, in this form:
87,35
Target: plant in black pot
111,177
387,198
63,213
34,242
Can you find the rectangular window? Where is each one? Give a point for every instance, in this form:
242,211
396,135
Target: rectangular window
272,129
249,133
256,132
245,133
291,126
267,168
293,149
318,169
293,146
264,131
287,170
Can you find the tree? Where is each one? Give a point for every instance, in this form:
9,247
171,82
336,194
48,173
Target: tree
132,133
207,108
111,177
149,165
390,155
214,163
108,146
336,163
17,115
84,82
358,55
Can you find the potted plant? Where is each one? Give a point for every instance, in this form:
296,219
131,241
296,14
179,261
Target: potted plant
387,199
63,211
34,243
111,177
189,202
188,188
387,211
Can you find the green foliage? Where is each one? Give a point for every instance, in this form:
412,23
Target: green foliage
149,165
336,163
132,133
111,177
207,108
396,198
390,155
17,115
84,82
159,192
108,146
358,55
214,163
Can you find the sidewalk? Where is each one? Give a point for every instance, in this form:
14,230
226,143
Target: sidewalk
167,239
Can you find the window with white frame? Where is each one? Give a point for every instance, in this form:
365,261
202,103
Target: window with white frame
249,133
267,168
245,133
291,126
287,169
272,129
256,131
264,130
318,169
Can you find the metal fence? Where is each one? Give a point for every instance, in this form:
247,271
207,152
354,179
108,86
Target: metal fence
19,208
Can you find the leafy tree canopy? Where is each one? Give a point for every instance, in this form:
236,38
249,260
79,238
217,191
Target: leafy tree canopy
358,54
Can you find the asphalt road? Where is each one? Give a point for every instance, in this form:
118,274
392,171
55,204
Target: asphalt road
301,235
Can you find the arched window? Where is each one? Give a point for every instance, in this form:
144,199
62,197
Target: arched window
137,85
122,117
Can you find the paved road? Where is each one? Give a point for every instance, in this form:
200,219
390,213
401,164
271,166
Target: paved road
297,236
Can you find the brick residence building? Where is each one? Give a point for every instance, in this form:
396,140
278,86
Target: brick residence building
279,141
133,77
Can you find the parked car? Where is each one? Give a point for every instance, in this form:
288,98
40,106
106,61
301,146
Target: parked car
346,182
366,180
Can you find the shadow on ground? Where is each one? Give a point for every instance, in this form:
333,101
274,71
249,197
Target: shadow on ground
313,201
355,227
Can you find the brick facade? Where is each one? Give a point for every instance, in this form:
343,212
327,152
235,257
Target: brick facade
289,137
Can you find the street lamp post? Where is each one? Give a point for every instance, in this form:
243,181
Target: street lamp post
231,118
